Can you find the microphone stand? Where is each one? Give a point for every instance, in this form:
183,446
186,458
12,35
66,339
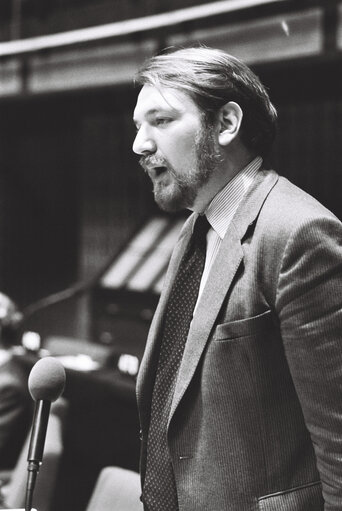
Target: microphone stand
31,481
36,448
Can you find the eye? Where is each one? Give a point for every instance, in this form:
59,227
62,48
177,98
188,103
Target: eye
160,121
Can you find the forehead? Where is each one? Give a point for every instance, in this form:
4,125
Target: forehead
153,99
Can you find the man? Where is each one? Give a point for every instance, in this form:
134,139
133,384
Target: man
15,400
15,410
240,405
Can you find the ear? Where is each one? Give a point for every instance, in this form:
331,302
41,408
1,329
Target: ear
230,121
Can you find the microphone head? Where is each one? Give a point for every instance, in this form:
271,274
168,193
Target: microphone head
47,379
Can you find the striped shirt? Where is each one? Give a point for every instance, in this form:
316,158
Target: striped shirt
221,211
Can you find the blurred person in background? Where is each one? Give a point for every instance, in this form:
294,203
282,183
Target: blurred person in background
16,407
240,388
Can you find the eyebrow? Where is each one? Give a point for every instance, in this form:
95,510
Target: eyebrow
150,112
154,111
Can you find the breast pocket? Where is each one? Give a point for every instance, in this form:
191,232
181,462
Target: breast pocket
244,327
307,498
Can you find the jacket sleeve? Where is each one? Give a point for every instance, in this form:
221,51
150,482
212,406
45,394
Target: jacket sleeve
309,307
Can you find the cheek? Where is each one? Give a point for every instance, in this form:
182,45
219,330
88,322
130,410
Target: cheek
182,151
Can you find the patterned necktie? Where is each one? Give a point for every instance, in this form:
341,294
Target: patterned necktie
159,487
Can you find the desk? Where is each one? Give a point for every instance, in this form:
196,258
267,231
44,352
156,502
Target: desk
101,429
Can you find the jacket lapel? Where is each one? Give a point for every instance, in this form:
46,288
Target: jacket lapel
220,280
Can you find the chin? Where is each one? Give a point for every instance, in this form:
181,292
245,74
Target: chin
175,198
169,206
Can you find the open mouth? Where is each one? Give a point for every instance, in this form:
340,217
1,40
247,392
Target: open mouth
159,170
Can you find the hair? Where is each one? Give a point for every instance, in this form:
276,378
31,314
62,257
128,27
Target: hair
212,78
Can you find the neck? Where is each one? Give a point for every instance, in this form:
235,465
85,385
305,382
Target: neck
220,178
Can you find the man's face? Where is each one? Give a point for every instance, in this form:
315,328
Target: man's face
177,151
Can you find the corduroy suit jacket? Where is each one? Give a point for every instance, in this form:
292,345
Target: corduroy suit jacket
256,417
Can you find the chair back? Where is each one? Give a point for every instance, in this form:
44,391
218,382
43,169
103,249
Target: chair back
116,489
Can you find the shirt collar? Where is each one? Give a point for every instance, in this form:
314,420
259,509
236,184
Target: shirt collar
225,203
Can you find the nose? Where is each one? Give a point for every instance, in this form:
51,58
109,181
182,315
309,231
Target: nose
143,143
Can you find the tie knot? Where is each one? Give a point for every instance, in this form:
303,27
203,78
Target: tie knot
201,228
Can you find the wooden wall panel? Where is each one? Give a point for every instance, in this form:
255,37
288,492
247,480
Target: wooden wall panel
308,149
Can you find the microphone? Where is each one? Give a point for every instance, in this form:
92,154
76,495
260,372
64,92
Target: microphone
46,384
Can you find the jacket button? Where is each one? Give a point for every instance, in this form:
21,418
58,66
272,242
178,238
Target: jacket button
140,434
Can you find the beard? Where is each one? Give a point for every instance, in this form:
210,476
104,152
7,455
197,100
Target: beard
182,189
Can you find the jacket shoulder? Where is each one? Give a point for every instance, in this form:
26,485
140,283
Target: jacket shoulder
294,205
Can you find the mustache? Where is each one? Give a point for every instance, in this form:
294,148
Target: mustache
152,160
